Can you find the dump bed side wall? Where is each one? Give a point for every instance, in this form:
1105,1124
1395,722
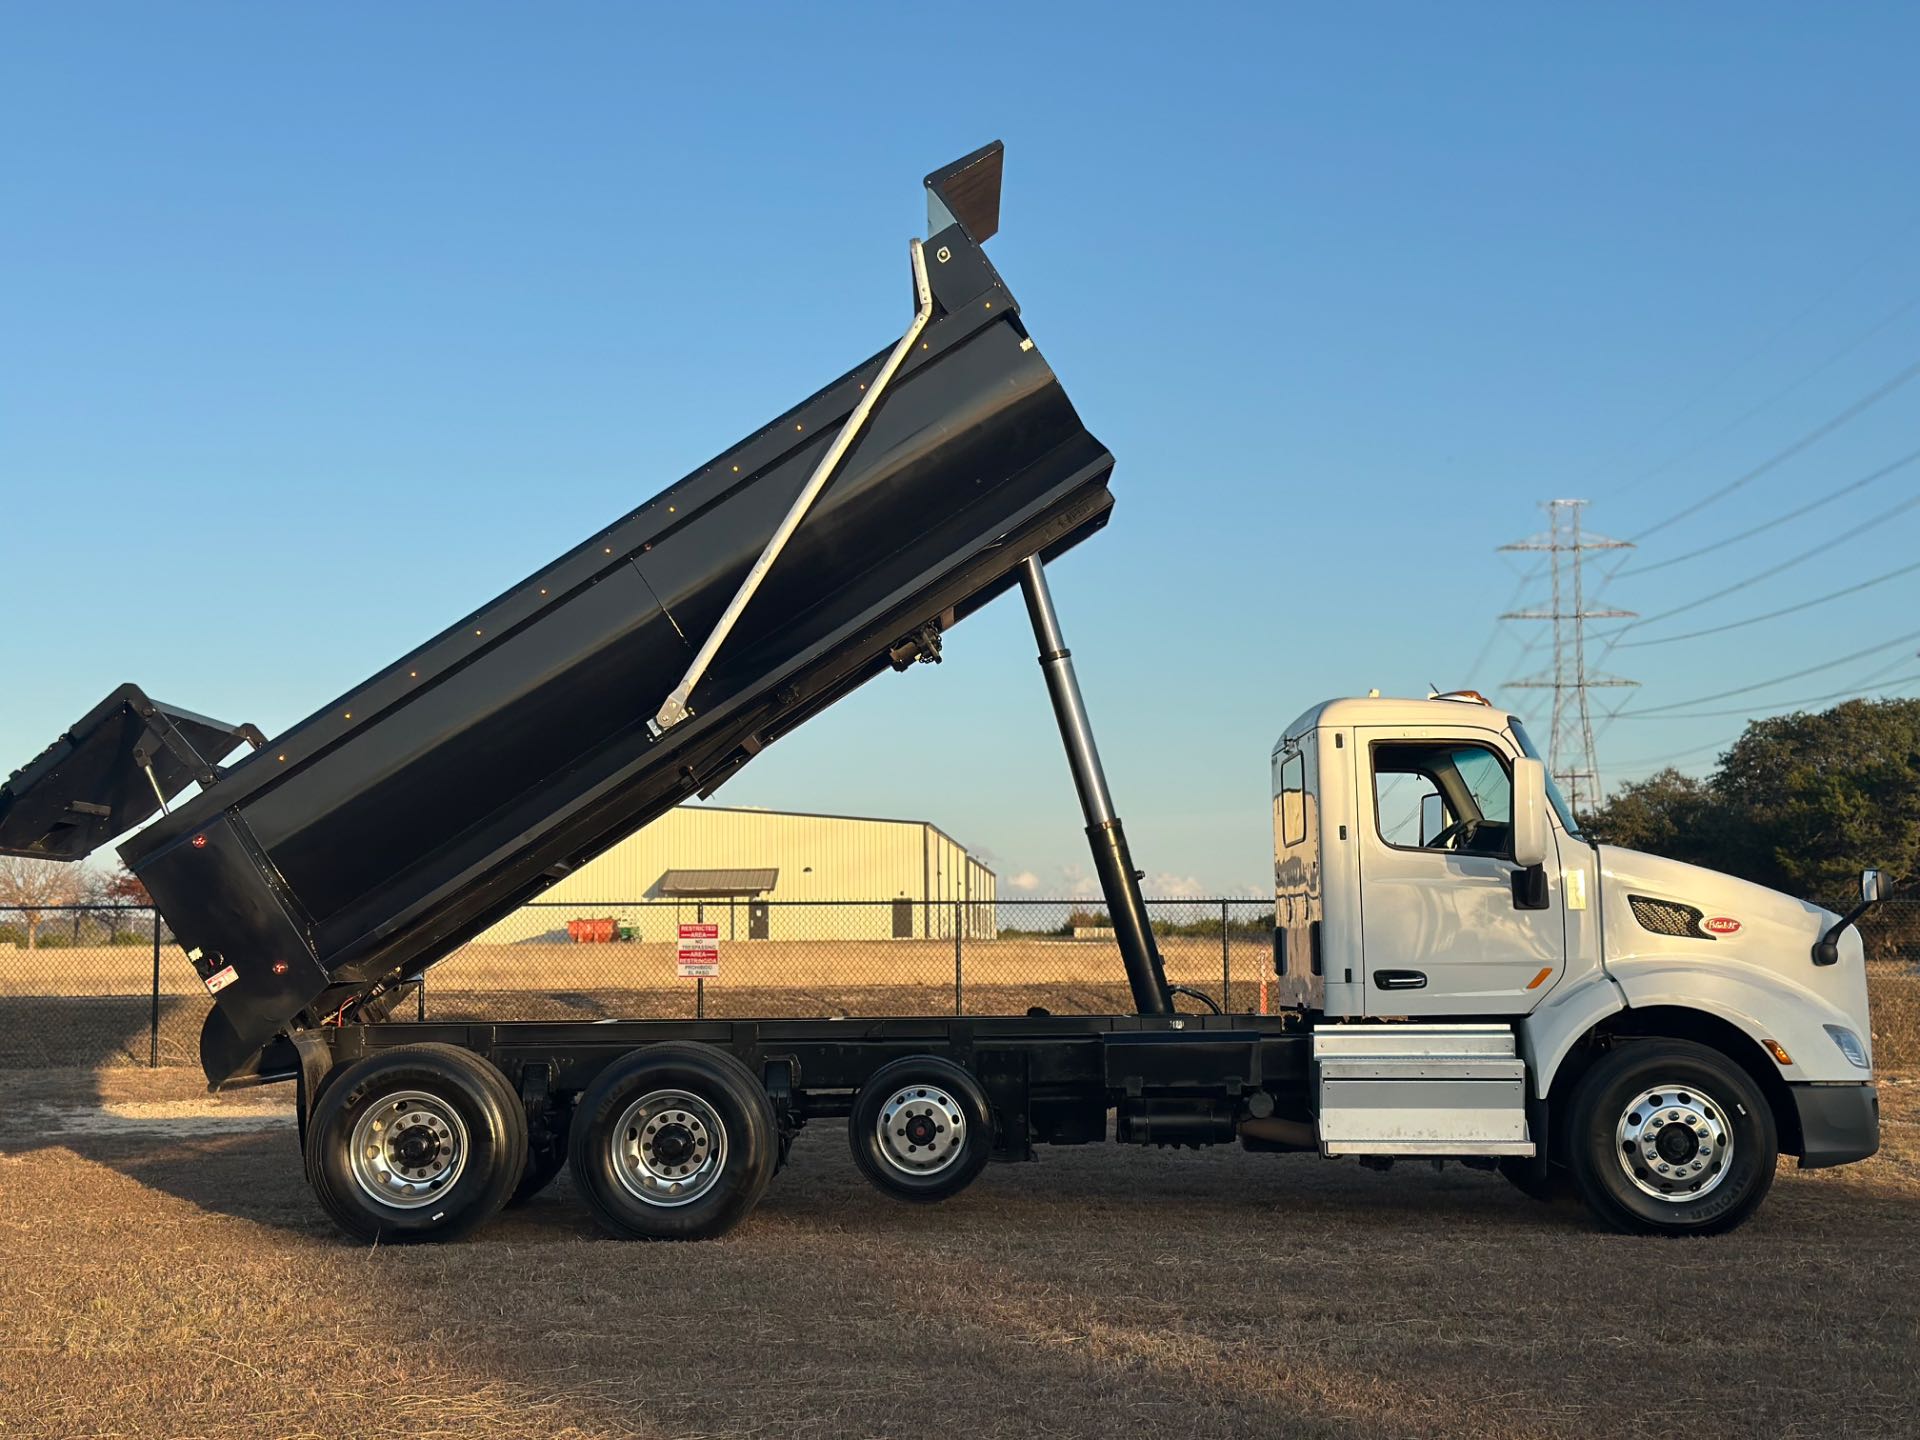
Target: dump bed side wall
457,783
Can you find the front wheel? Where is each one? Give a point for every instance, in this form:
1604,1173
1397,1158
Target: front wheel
1667,1137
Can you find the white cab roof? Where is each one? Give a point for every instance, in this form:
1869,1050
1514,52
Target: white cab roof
1393,710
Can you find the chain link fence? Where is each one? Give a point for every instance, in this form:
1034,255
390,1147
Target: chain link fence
104,984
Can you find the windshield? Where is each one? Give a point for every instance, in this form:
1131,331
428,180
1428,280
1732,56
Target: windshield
1554,797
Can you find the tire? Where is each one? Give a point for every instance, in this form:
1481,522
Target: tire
674,1141
1673,1103
421,1142
921,1129
546,1154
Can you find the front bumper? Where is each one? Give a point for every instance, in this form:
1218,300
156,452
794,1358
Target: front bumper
1838,1123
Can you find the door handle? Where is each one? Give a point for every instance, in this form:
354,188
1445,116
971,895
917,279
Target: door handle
1400,979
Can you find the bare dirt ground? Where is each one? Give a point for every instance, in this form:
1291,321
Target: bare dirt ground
163,1272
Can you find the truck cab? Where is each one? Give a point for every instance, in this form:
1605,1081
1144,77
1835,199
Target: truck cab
1428,874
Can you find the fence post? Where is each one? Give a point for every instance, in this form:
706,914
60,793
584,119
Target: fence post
153,1019
959,950
1226,964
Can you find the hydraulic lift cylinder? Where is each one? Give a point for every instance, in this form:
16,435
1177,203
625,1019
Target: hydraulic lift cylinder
1112,862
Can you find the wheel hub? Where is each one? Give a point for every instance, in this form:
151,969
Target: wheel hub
1674,1142
921,1129
408,1149
669,1148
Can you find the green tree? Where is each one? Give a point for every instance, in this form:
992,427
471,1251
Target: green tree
1802,803
1665,814
1816,798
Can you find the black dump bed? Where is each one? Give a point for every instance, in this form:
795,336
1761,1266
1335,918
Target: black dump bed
460,781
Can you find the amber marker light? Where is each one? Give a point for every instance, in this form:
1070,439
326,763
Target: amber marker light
1778,1051
1540,979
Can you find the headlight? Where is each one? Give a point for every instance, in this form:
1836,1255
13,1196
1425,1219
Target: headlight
1849,1044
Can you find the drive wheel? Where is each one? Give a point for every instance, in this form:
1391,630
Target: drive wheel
921,1129
421,1142
674,1141
1670,1138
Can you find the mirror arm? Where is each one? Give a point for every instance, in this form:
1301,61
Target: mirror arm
1826,950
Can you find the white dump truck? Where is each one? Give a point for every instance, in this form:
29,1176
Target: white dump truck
1462,975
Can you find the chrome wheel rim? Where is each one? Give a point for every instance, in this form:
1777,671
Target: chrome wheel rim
1674,1142
408,1149
669,1148
922,1130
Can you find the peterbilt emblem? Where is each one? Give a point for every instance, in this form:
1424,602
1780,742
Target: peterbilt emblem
1720,925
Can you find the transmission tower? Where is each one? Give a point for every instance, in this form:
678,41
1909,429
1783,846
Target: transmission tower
1570,751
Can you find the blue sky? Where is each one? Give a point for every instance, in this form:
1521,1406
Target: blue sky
319,327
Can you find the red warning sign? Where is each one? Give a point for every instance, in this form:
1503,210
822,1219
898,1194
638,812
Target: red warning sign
698,957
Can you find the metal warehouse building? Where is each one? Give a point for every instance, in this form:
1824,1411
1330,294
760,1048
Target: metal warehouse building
777,875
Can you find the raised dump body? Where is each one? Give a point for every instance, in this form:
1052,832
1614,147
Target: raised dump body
459,782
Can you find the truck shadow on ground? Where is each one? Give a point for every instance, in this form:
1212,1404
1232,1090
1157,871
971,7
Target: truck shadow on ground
1097,1291
255,1175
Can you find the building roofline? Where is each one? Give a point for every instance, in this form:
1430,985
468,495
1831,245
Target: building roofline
835,815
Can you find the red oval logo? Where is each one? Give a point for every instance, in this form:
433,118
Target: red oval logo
1720,925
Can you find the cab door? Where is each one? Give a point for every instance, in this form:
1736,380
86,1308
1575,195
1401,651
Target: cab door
1445,929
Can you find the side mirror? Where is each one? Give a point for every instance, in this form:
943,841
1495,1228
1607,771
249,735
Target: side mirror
1530,842
1873,889
1433,817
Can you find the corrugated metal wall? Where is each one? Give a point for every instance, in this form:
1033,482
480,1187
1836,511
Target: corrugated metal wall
819,858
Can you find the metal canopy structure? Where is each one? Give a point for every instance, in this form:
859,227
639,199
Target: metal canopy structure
709,884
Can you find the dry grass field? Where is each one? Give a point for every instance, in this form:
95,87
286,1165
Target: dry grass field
163,1273
89,1007
756,964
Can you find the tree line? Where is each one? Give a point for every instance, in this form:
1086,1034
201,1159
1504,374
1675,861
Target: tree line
37,893
1801,803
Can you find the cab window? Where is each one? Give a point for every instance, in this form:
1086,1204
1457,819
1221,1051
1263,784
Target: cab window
1443,795
1293,799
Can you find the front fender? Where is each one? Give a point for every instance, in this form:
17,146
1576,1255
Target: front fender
1553,1027
1764,1005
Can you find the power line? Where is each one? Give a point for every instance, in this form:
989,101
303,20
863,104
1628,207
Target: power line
1876,680
1493,634
1774,523
1780,457
1771,400
1675,754
1872,258
1774,614
1767,684
1851,692
1613,636
1875,676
